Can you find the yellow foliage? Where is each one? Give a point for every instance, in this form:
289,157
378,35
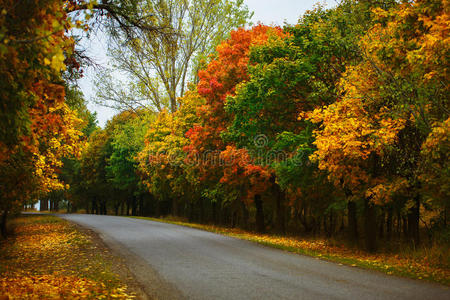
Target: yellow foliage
44,261
406,51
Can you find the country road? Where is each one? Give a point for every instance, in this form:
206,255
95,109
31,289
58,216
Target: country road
175,262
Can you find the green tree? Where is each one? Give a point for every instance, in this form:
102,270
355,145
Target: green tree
127,140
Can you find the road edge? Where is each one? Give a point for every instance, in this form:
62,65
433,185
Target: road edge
141,277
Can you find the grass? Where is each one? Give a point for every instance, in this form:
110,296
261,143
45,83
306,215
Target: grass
49,258
431,264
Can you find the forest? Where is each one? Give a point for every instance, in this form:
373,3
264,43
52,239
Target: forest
337,126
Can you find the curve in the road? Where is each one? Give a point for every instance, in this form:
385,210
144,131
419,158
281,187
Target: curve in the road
180,262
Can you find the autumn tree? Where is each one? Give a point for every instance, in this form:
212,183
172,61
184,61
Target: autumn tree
371,138
70,171
161,162
218,81
287,76
37,129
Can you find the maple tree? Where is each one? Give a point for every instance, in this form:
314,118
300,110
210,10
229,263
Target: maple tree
287,76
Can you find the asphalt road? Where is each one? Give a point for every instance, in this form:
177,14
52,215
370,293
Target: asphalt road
175,262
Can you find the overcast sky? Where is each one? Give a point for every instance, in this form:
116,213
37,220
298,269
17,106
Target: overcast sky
270,12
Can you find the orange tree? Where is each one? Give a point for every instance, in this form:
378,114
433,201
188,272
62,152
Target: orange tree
37,129
393,107
218,80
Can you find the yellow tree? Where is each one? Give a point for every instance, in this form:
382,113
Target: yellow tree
371,139
162,161
37,129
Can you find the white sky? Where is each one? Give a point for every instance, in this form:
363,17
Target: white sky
271,12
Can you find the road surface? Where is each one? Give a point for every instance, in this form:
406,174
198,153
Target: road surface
175,262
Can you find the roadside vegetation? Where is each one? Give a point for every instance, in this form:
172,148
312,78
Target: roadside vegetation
48,258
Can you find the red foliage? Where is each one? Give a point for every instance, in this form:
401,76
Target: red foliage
218,81
229,68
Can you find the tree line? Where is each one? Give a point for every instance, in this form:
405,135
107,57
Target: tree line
336,126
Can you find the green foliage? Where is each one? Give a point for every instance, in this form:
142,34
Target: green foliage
127,139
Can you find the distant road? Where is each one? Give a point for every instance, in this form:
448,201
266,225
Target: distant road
175,262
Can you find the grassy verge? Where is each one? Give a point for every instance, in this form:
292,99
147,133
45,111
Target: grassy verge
417,264
48,258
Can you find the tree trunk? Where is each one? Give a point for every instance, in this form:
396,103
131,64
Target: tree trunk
389,224
352,221
233,219
173,103
370,222
104,208
214,212
3,221
381,228
94,209
330,229
279,205
133,205
259,214
302,217
141,205
281,228
191,212
413,222
405,227
174,209
202,210
244,215
43,205
445,215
